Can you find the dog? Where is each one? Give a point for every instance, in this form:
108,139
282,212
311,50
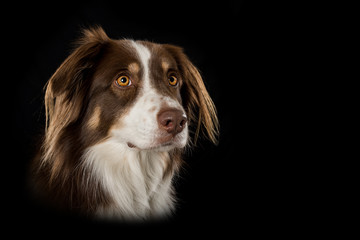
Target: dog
119,116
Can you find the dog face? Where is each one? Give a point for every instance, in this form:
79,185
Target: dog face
136,89
139,94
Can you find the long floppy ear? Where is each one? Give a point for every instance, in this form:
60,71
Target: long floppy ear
198,104
66,88
65,94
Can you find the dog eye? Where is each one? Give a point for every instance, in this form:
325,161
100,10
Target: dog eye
173,81
123,81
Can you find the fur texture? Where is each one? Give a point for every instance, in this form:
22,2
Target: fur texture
111,148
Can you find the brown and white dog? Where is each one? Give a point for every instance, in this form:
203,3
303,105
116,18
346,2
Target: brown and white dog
118,114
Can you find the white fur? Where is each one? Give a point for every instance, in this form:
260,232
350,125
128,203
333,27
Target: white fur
133,177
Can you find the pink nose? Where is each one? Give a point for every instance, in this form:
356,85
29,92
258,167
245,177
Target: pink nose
171,120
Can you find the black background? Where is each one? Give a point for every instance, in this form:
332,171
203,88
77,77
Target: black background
238,185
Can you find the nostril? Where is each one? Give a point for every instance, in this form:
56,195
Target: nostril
183,122
168,123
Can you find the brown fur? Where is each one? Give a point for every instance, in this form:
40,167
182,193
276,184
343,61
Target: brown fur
74,121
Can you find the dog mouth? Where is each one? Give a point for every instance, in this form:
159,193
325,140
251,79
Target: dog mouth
130,145
167,144
165,141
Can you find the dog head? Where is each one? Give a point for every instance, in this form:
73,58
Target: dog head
143,95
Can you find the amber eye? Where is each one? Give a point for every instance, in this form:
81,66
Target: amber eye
123,81
173,80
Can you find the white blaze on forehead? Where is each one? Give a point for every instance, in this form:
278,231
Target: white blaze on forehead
144,55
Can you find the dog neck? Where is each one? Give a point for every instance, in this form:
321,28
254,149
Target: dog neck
138,182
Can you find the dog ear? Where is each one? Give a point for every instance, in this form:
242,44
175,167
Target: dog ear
198,104
66,89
